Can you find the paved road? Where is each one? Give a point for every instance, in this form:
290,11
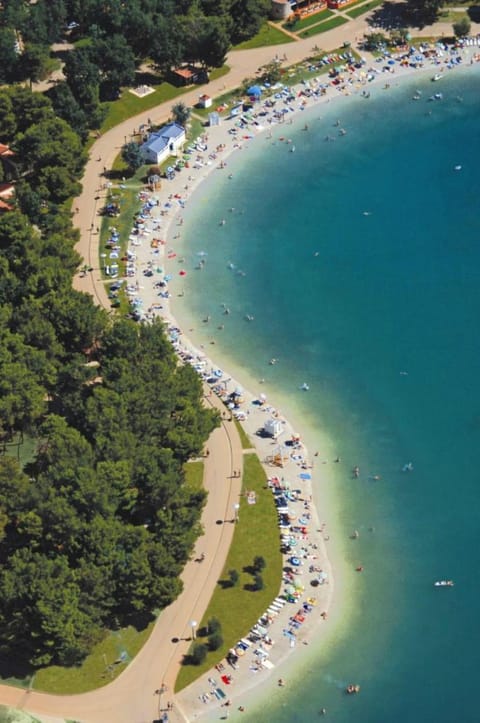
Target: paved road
131,698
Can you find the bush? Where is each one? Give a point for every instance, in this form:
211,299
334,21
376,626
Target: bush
215,641
462,27
199,653
214,626
258,583
259,563
233,577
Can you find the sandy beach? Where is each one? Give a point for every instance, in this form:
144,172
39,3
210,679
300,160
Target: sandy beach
292,626
324,604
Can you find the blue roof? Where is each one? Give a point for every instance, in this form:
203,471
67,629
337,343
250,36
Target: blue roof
159,140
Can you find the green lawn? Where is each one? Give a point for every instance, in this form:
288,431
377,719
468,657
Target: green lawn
244,438
10,715
129,105
362,9
267,35
324,27
127,198
238,608
194,474
104,663
309,20
22,446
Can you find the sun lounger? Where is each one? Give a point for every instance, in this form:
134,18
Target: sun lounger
219,693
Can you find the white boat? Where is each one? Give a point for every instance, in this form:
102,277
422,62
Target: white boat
437,76
443,583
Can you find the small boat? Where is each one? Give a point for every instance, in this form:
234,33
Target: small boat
437,76
304,387
443,583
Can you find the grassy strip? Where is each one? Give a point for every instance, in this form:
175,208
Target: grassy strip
104,663
244,438
238,608
313,19
267,35
11,715
324,27
194,474
362,9
452,16
129,105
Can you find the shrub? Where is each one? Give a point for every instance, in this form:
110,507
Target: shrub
215,641
233,577
258,583
214,626
259,563
199,653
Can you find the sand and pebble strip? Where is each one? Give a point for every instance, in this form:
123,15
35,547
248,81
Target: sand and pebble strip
296,615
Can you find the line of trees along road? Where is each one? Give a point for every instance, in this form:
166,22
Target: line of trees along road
117,37
95,530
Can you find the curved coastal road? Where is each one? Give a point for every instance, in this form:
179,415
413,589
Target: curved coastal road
132,697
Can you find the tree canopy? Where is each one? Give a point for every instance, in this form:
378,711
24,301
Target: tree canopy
95,530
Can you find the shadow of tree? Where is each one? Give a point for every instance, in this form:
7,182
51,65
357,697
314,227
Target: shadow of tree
225,584
474,13
389,16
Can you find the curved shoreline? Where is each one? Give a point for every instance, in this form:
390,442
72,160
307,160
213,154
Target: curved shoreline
188,700
20,698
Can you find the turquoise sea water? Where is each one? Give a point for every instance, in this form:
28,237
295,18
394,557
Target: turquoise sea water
378,312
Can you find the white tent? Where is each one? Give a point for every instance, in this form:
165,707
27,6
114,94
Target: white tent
273,427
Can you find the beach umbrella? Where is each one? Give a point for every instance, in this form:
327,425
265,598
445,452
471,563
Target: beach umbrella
255,90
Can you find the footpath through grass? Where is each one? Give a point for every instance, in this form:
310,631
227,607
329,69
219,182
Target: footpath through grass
313,19
106,661
267,35
323,27
238,608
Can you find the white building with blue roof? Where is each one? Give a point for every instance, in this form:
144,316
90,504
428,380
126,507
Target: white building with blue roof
165,142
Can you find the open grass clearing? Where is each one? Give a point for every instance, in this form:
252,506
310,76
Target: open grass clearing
267,35
323,27
194,474
106,661
452,16
238,608
312,19
129,105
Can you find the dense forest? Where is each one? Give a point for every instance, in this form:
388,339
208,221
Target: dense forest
116,37
96,528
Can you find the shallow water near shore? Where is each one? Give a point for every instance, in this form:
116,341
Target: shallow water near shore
359,259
